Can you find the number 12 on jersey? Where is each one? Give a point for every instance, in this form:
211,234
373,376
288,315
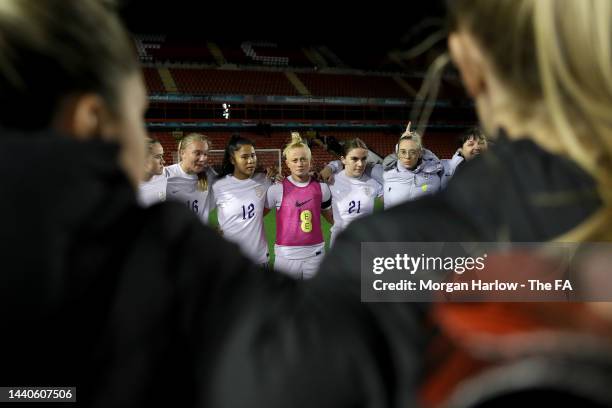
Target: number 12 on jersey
248,211
352,206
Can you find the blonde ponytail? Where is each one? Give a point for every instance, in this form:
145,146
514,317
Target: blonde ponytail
296,142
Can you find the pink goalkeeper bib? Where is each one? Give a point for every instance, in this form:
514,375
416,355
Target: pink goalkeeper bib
298,220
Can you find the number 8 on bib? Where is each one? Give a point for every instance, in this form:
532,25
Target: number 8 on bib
306,218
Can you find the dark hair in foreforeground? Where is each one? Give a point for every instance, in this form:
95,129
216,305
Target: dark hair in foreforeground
81,47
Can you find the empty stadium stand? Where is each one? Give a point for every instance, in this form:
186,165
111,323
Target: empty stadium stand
153,81
213,81
352,85
250,82
163,49
186,76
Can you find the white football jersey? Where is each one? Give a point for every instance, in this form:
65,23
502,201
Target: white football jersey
240,205
352,198
152,191
182,187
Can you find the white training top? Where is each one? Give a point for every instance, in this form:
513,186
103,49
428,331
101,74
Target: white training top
274,199
182,187
152,191
352,198
240,205
399,184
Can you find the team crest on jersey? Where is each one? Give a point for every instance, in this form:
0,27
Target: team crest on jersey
259,191
367,191
162,196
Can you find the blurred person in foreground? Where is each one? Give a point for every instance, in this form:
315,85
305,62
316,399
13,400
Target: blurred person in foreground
544,89
146,306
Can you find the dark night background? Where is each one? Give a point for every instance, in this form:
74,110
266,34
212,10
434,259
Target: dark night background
377,25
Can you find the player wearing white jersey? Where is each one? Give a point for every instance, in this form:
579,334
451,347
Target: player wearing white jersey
153,187
412,172
240,196
353,191
189,180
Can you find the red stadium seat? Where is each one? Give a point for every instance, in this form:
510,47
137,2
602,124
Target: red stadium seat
358,86
153,81
213,81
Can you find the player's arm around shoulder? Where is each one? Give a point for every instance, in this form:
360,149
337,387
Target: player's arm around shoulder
274,196
327,173
264,181
273,175
376,172
379,200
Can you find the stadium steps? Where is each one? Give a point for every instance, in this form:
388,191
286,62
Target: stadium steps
316,58
404,85
330,56
295,81
167,80
216,53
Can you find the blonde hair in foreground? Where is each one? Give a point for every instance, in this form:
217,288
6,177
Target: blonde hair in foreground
557,53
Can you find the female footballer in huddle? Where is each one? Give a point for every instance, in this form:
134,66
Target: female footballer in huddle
299,201
240,196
